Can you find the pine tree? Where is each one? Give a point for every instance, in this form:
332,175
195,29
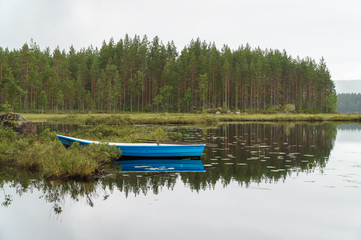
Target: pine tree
43,101
137,72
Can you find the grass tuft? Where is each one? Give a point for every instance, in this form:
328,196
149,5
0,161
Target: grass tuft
45,155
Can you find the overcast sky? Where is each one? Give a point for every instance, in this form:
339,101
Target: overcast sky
314,28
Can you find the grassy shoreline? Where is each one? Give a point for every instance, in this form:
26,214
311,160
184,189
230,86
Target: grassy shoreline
43,154
184,118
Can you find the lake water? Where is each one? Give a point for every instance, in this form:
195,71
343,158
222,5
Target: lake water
262,181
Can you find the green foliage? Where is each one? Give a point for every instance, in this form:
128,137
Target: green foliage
203,88
46,155
164,97
135,74
12,92
349,102
158,134
76,161
7,134
331,103
43,101
60,98
187,100
47,136
5,107
158,100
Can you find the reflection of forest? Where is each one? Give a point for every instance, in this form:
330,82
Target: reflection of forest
246,153
267,152
349,127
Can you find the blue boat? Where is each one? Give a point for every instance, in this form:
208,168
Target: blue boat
145,150
161,165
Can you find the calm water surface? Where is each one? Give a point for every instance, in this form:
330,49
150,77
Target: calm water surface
263,181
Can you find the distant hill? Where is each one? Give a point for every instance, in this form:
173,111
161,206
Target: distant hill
349,102
348,86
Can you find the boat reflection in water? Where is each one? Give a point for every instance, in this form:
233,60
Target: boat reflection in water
161,165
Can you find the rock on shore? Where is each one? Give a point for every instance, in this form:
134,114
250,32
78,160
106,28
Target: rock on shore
16,121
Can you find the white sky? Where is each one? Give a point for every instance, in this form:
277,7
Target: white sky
314,28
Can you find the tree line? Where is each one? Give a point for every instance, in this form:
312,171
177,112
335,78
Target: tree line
349,102
136,74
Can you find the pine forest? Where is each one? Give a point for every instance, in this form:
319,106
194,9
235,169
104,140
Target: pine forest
138,74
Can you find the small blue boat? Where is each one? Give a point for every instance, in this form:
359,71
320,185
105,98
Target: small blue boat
161,165
146,150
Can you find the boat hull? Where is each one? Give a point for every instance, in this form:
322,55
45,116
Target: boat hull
147,150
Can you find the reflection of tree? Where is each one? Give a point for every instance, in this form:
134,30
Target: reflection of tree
350,127
256,153
263,152
140,183
53,192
